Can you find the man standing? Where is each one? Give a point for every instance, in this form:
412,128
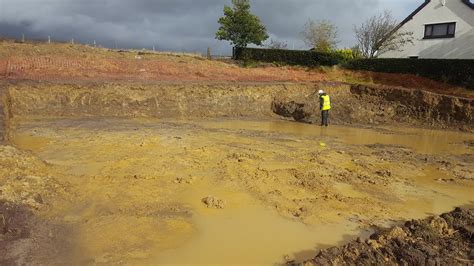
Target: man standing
324,106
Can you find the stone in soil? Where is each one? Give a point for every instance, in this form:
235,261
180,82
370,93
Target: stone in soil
213,202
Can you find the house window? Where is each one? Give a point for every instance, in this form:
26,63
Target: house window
441,30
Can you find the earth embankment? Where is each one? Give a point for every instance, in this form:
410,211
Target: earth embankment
374,105
352,104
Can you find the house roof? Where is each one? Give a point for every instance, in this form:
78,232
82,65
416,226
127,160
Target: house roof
467,2
413,14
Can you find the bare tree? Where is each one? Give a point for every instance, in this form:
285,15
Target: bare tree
380,34
320,35
275,44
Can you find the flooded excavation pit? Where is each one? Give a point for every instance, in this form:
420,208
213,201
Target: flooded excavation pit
141,191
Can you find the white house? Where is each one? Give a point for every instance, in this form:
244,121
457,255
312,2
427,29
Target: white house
441,29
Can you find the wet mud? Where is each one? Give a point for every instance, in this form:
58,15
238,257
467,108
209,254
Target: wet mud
439,240
131,190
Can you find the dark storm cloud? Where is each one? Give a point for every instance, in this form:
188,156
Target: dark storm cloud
179,24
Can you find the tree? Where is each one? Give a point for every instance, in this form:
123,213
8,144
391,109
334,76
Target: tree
380,34
240,26
320,35
275,44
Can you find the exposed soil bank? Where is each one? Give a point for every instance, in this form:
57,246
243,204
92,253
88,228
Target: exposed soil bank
351,104
371,105
438,240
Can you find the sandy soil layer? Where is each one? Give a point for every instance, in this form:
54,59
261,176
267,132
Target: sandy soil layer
440,240
155,191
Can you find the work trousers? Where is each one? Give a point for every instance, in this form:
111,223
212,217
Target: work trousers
325,118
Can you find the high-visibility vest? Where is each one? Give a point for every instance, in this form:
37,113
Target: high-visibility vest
326,102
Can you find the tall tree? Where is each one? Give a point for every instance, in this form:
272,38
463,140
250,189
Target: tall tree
240,26
380,34
320,35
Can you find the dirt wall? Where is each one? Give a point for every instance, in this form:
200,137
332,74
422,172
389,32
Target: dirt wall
355,104
157,100
375,105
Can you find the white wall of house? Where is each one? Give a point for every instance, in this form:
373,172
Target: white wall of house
459,47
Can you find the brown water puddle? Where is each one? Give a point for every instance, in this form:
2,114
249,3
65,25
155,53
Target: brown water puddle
438,196
245,232
420,140
124,172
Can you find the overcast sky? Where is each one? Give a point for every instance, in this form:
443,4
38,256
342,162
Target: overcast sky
180,25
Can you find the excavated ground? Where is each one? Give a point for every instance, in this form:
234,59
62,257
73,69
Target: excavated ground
117,167
215,173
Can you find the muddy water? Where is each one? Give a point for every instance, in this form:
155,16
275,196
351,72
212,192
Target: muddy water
136,186
421,140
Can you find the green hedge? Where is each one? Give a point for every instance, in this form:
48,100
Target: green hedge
455,71
291,57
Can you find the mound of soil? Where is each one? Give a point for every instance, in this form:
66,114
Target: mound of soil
438,240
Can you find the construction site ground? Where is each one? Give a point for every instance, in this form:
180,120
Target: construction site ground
146,158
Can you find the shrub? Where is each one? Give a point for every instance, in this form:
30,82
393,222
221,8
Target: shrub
455,71
345,54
